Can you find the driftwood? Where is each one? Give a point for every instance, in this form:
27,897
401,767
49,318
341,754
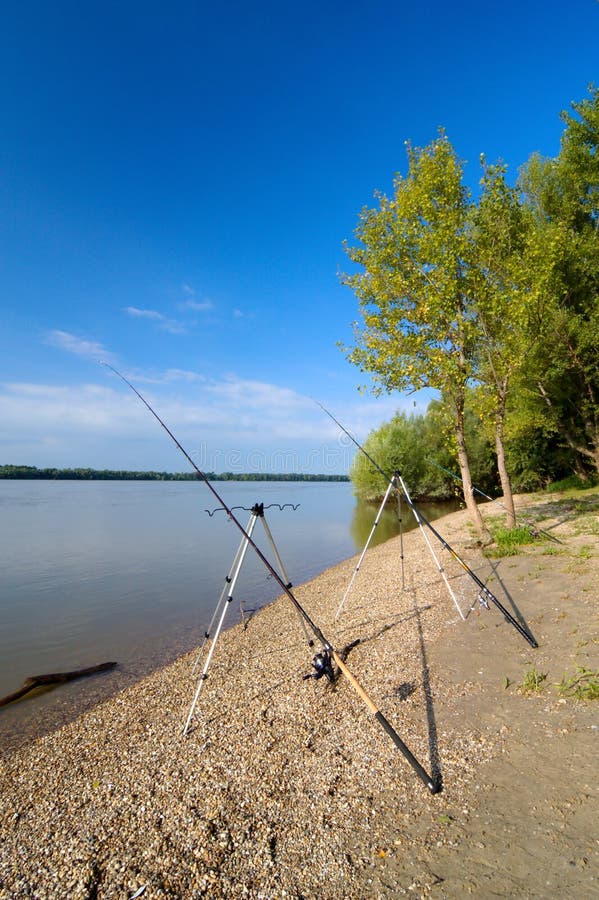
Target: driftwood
36,681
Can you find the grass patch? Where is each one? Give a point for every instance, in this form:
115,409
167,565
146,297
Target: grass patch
553,551
509,540
584,685
532,682
585,552
587,525
572,483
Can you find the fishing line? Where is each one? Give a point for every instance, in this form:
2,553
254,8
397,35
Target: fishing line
322,662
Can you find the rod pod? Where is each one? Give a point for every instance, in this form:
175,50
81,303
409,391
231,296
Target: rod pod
393,485
226,598
433,784
484,590
223,604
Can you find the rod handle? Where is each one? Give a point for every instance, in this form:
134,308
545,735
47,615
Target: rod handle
431,783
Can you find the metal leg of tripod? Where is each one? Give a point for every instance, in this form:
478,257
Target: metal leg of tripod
222,606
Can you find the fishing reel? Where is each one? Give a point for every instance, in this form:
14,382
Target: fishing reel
323,665
483,602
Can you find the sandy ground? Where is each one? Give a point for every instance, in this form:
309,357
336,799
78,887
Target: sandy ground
289,788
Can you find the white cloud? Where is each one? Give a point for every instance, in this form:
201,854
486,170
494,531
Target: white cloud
228,423
64,340
192,303
40,408
144,313
167,377
164,323
198,305
248,393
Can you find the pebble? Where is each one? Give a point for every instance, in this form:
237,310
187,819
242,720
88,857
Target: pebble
283,787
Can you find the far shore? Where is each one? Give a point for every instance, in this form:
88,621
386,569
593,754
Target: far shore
32,473
288,788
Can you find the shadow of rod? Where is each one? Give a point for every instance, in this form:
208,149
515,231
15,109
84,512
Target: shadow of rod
433,742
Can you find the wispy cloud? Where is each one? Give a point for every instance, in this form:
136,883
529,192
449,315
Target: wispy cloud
64,340
198,305
42,408
170,376
164,322
229,423
255,394
192,302
144,313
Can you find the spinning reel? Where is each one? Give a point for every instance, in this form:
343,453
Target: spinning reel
323,665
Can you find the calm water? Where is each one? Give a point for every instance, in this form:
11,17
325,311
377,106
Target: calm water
131,571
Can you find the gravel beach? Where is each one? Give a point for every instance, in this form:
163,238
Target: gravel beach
289,788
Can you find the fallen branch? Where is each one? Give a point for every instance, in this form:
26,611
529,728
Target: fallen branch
36,681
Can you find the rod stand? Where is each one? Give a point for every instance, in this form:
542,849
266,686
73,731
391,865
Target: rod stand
226,598
397,485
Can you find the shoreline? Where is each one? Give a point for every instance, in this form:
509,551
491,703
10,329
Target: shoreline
45,711
288,788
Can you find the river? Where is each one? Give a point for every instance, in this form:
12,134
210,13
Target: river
95,571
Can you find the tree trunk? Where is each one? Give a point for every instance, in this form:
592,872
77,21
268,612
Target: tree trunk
471,504
506,485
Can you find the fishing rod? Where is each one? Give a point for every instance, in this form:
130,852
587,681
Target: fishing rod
322,661
533,529
485,594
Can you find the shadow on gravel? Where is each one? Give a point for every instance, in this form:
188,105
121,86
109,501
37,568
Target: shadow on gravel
433,743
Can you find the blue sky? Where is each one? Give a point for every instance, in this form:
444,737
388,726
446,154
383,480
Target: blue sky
177,181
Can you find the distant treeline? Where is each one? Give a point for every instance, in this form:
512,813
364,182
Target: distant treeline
21,472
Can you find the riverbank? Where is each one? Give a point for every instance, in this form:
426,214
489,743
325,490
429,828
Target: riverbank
288,788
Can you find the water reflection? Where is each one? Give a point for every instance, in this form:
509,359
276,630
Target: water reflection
128,571
395,516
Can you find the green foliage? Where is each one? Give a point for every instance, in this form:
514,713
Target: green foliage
509,540
532,682
481,453
422,450
494,303
572,483
413,282
584,685
395,446
536,458
561,388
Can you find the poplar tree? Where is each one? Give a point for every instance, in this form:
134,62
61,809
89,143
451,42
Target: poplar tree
507,305
414,289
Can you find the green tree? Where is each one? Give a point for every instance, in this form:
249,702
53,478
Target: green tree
422,449
414,290
563,375
507,305
397,446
